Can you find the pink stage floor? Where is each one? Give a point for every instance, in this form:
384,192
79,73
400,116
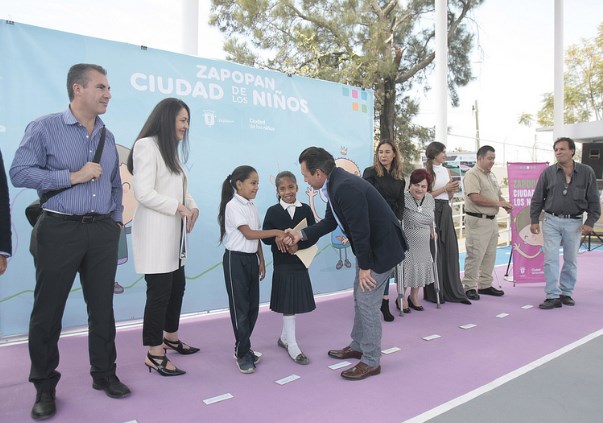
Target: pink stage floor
420,376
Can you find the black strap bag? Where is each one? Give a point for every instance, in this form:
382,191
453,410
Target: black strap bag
34,210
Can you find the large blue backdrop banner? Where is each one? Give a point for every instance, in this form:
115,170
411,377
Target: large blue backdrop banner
239,115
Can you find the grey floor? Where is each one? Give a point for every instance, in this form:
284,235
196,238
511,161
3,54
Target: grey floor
568,388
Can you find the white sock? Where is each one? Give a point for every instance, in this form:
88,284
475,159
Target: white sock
284,331
289,329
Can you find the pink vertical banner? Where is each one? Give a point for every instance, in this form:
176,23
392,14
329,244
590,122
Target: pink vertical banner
528,256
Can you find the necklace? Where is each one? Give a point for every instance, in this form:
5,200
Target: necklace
419,205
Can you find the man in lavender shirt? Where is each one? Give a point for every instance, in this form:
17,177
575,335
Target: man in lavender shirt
78,231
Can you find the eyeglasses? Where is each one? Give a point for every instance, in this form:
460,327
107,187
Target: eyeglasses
564,192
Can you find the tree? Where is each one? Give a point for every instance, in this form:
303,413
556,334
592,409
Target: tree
526,119
583,80
386,45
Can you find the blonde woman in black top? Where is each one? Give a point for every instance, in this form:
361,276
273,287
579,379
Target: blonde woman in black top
386,175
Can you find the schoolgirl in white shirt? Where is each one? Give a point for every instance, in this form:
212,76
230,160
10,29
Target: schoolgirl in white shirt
243,259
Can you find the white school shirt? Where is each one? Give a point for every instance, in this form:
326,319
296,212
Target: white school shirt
240,211
290,207
442,177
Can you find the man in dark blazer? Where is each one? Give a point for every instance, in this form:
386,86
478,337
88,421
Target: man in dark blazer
377,241
6,247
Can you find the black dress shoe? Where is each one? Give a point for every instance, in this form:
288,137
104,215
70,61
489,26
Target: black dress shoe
472,295
465,301
299,359
567,300
280,343
112,387
491,291
550,303
45,406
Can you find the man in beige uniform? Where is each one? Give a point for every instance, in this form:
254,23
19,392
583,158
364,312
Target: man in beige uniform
482,201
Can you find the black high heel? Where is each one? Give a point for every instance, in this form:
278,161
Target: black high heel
161,367
387,316
414,307
178,346
404,310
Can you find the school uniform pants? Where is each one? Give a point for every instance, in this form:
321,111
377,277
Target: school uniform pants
242,277
366,332
61,249
165,292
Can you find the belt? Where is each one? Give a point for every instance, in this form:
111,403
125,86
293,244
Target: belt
86,218
566,216
481,216
241,253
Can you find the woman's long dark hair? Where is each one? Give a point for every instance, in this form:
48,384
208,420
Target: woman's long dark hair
229,187
432,150
161,124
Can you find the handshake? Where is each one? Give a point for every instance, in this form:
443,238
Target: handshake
287,240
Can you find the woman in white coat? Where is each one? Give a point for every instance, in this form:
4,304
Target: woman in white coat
165,210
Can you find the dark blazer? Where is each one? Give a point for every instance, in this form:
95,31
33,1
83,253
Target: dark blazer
5,232
369,223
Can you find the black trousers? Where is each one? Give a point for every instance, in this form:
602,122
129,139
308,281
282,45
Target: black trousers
61,249
164,303
242,277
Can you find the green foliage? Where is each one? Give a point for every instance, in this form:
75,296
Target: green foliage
526,119
583,91
386,45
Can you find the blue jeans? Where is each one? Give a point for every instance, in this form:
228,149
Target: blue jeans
566,233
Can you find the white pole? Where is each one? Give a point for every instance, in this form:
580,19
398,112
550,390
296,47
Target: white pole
441,71
559,104
190,27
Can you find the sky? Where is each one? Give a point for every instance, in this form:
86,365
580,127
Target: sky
512,61
513,66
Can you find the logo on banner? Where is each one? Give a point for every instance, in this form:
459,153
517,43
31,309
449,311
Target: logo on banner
359,98
209,117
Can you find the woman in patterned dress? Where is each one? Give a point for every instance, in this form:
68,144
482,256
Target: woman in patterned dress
417,222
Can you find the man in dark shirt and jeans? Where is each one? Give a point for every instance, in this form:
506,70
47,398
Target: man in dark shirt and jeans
78,231
564,191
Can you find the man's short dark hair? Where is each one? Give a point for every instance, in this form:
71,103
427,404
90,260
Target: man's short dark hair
484,149
570,142
78,74
317,158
